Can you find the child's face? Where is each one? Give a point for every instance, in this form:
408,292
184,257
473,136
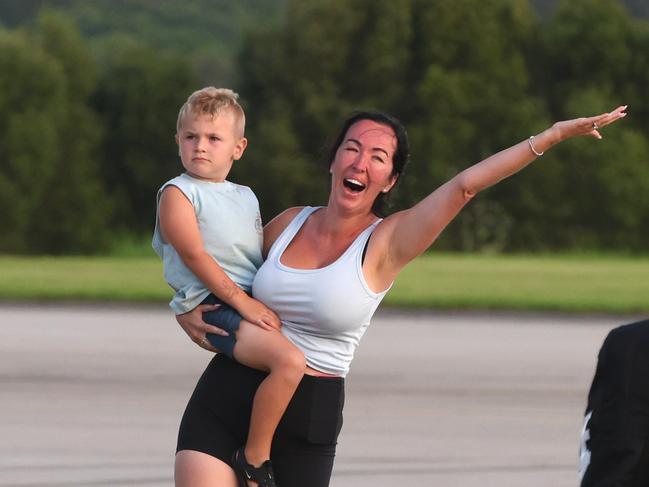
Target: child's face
208,146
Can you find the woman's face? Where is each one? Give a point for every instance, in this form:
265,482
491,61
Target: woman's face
362,167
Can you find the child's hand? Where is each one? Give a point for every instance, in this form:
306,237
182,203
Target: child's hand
259,314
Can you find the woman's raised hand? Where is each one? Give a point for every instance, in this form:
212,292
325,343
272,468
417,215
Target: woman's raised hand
192,323
588,125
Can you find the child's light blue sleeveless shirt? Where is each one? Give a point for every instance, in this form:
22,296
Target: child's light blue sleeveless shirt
230,225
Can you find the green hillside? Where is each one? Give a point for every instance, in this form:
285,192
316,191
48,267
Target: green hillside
208,31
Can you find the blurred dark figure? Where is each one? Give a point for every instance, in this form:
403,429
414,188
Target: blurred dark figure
615,439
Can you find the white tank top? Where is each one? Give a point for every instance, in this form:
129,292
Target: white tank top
325,311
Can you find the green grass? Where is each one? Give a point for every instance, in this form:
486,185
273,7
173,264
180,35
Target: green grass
137,279
560,283
575,283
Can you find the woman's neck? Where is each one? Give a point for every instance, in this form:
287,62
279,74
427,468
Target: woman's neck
336,223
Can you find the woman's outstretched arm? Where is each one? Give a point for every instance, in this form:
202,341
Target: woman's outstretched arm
408,233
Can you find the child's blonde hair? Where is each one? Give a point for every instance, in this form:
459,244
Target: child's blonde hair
212,101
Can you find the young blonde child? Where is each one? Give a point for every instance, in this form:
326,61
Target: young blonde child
209,236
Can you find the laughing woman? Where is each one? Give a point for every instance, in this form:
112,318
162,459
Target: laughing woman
325,273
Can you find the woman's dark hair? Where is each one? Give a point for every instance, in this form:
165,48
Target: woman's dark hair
399,160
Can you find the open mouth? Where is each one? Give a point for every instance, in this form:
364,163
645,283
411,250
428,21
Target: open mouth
353,185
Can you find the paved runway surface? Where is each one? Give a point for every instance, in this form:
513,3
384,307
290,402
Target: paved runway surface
92,396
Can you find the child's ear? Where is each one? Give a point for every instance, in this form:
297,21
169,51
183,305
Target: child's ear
240,148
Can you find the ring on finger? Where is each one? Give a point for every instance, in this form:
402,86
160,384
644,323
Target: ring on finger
595,126
205,342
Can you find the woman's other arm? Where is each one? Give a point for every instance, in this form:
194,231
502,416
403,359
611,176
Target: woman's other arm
408,233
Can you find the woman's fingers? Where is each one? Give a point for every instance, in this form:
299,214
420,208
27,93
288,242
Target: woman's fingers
594,124
215,330
608,118
208,307
205,343
192,323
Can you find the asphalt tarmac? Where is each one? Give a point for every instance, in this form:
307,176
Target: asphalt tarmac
92,395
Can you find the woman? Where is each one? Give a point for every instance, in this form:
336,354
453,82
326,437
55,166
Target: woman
326,271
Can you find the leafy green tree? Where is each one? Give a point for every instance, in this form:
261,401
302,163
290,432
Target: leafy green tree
207,32
138,96
50,188
591,59
470,82
76,209
31,102
16,12
468,78
454,72
299,82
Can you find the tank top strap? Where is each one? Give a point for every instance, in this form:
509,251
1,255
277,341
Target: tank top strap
364,238
278,247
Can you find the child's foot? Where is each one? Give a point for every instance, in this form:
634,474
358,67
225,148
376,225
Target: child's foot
248,475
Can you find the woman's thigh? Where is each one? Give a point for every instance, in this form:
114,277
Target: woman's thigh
304,447
196,469
217,418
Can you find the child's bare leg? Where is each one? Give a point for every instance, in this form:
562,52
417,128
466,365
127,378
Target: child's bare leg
269,351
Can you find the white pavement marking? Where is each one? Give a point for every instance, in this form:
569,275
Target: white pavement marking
92,396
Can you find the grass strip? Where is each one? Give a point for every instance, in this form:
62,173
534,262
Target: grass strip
135,279
571,283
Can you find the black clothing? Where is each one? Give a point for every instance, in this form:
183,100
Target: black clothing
217,417
615,446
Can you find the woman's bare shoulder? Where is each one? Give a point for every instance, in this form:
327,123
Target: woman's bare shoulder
276,226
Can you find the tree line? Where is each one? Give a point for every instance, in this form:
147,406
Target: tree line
86,135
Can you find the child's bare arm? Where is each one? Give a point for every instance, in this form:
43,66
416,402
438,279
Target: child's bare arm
179,227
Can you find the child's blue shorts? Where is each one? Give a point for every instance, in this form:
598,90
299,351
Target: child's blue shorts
225,318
